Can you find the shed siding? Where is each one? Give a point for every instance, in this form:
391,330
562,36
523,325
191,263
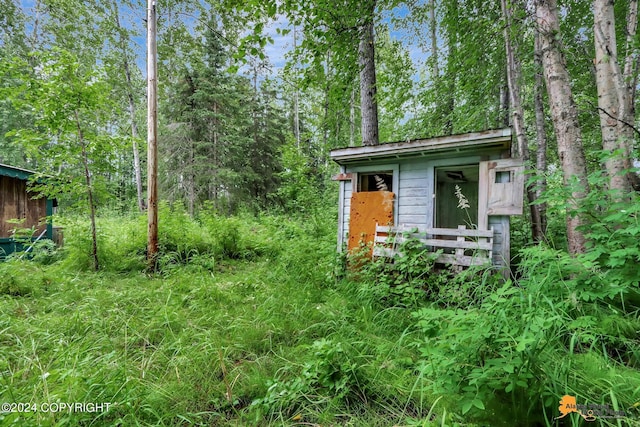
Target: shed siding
501,255
347,212
415,186
413,192
17,203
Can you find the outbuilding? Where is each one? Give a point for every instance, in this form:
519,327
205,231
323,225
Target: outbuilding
451,191
18,202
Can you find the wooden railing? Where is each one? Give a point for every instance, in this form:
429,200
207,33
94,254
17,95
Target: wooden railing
461,246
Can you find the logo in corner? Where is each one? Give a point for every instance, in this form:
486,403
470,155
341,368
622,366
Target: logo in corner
590,412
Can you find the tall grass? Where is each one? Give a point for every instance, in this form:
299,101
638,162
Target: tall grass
240,304
254,321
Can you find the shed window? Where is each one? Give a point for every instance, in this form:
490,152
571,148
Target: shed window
503,176
375,181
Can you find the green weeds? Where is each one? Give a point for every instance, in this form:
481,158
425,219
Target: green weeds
254,321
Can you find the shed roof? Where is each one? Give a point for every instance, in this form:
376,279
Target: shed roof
15,172
22,174
467,143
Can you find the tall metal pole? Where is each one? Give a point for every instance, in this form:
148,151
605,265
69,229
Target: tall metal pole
152,136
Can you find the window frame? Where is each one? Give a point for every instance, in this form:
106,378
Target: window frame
385,167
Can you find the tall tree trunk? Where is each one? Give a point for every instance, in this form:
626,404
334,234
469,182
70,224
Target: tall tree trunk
325,120
191,180
152,137
132,112
612,94
254,117
36,23
541,133
296,107
565,119
448,103
630,75
352,118
616,91
514,79
366,60
503,106
216,158
433,26
92,206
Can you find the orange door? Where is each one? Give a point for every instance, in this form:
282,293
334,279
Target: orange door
367,210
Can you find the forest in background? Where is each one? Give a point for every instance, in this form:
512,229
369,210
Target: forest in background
239,134
251,317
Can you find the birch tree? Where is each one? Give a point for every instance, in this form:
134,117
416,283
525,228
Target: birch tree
541,132
129,89
565,118
615,81
514,79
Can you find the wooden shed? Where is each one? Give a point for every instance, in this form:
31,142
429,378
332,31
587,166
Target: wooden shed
18,202
416,186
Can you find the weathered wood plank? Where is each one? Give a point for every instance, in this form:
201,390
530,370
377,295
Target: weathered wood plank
413,183
463,260
411,210
414,192
413,173
387,239
439,243
19,203
413,201
438,231
460,232
412,219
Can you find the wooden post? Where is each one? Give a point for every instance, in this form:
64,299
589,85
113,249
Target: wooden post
152,137
459,251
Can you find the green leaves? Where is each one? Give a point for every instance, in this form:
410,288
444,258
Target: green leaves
523,339
471,403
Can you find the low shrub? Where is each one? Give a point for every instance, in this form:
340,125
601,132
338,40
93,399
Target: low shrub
22,278
519,346
330,374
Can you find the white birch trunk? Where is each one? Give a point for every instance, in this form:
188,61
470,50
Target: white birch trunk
612,96
352,118
296,107
630,82
132,113
513,80
565,118
541,132
433,24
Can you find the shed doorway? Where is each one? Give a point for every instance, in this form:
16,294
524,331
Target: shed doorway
372,203
451,182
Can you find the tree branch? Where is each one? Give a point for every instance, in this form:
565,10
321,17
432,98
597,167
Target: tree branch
614,117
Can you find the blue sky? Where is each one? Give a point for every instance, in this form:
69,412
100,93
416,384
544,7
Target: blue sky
276,51
282,44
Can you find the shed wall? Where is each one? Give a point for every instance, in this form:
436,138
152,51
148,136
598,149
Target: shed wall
501,240
415,200
17,203
414,203
346,209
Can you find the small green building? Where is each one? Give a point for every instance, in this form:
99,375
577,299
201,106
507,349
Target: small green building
17,201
